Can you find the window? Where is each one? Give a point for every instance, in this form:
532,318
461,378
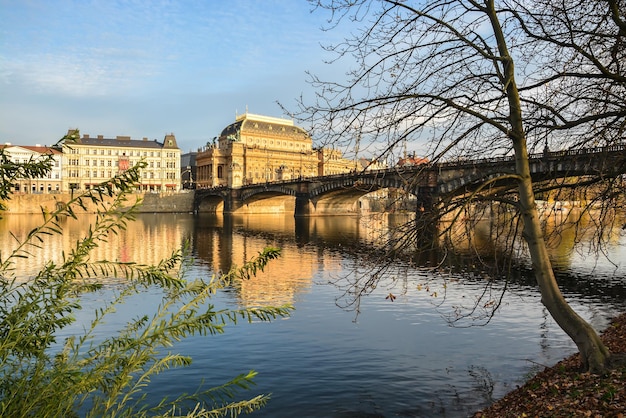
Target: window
220,172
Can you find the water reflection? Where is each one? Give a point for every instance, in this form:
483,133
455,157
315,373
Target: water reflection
396,359
219,243
220,247
147,240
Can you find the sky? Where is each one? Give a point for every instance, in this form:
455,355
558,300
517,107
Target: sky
145,68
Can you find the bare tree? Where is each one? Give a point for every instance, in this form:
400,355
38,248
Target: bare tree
470,79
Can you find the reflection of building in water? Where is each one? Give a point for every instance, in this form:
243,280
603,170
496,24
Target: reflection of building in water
280,281
220,246
146,241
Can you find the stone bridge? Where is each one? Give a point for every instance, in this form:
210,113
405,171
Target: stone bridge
339,194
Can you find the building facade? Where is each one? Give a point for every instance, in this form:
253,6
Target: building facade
330,161
51,183
88,161
256,149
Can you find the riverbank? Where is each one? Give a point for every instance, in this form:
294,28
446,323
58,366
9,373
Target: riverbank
563,391
167,202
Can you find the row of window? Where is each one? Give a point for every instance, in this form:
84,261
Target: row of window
253,141
112,163
27,160
33,188
108,174
130,153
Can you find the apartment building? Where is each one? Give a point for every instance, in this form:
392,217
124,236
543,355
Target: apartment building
89,160
50,183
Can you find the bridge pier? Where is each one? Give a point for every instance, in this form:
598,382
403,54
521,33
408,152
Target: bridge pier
232,201
425,217
304,206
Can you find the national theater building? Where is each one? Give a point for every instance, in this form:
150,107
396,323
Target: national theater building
258,149
89,160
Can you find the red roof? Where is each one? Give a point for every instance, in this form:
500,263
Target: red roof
37,148
412,160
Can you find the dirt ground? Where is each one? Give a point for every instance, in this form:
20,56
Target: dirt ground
564,391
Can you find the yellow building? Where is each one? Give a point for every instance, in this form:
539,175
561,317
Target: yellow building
88,161
331,161
256,149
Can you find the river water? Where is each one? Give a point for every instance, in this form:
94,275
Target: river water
399,358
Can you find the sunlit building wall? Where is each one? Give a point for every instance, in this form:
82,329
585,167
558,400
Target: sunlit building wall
330,161
258,149
88,161
21,154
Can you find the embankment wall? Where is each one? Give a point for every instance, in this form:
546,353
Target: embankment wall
152,202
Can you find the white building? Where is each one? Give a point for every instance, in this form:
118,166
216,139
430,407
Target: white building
51,183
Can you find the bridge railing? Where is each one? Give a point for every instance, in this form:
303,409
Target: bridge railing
535,156
440,165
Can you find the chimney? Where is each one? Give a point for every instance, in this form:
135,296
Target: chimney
85,136
100,136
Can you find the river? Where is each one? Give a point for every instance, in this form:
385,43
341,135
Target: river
398,357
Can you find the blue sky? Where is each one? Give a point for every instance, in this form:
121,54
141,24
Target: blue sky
146,68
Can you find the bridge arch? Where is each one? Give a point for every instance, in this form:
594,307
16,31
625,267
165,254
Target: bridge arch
272,189
210,200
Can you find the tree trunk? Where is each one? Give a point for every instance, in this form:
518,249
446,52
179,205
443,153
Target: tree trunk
593,352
